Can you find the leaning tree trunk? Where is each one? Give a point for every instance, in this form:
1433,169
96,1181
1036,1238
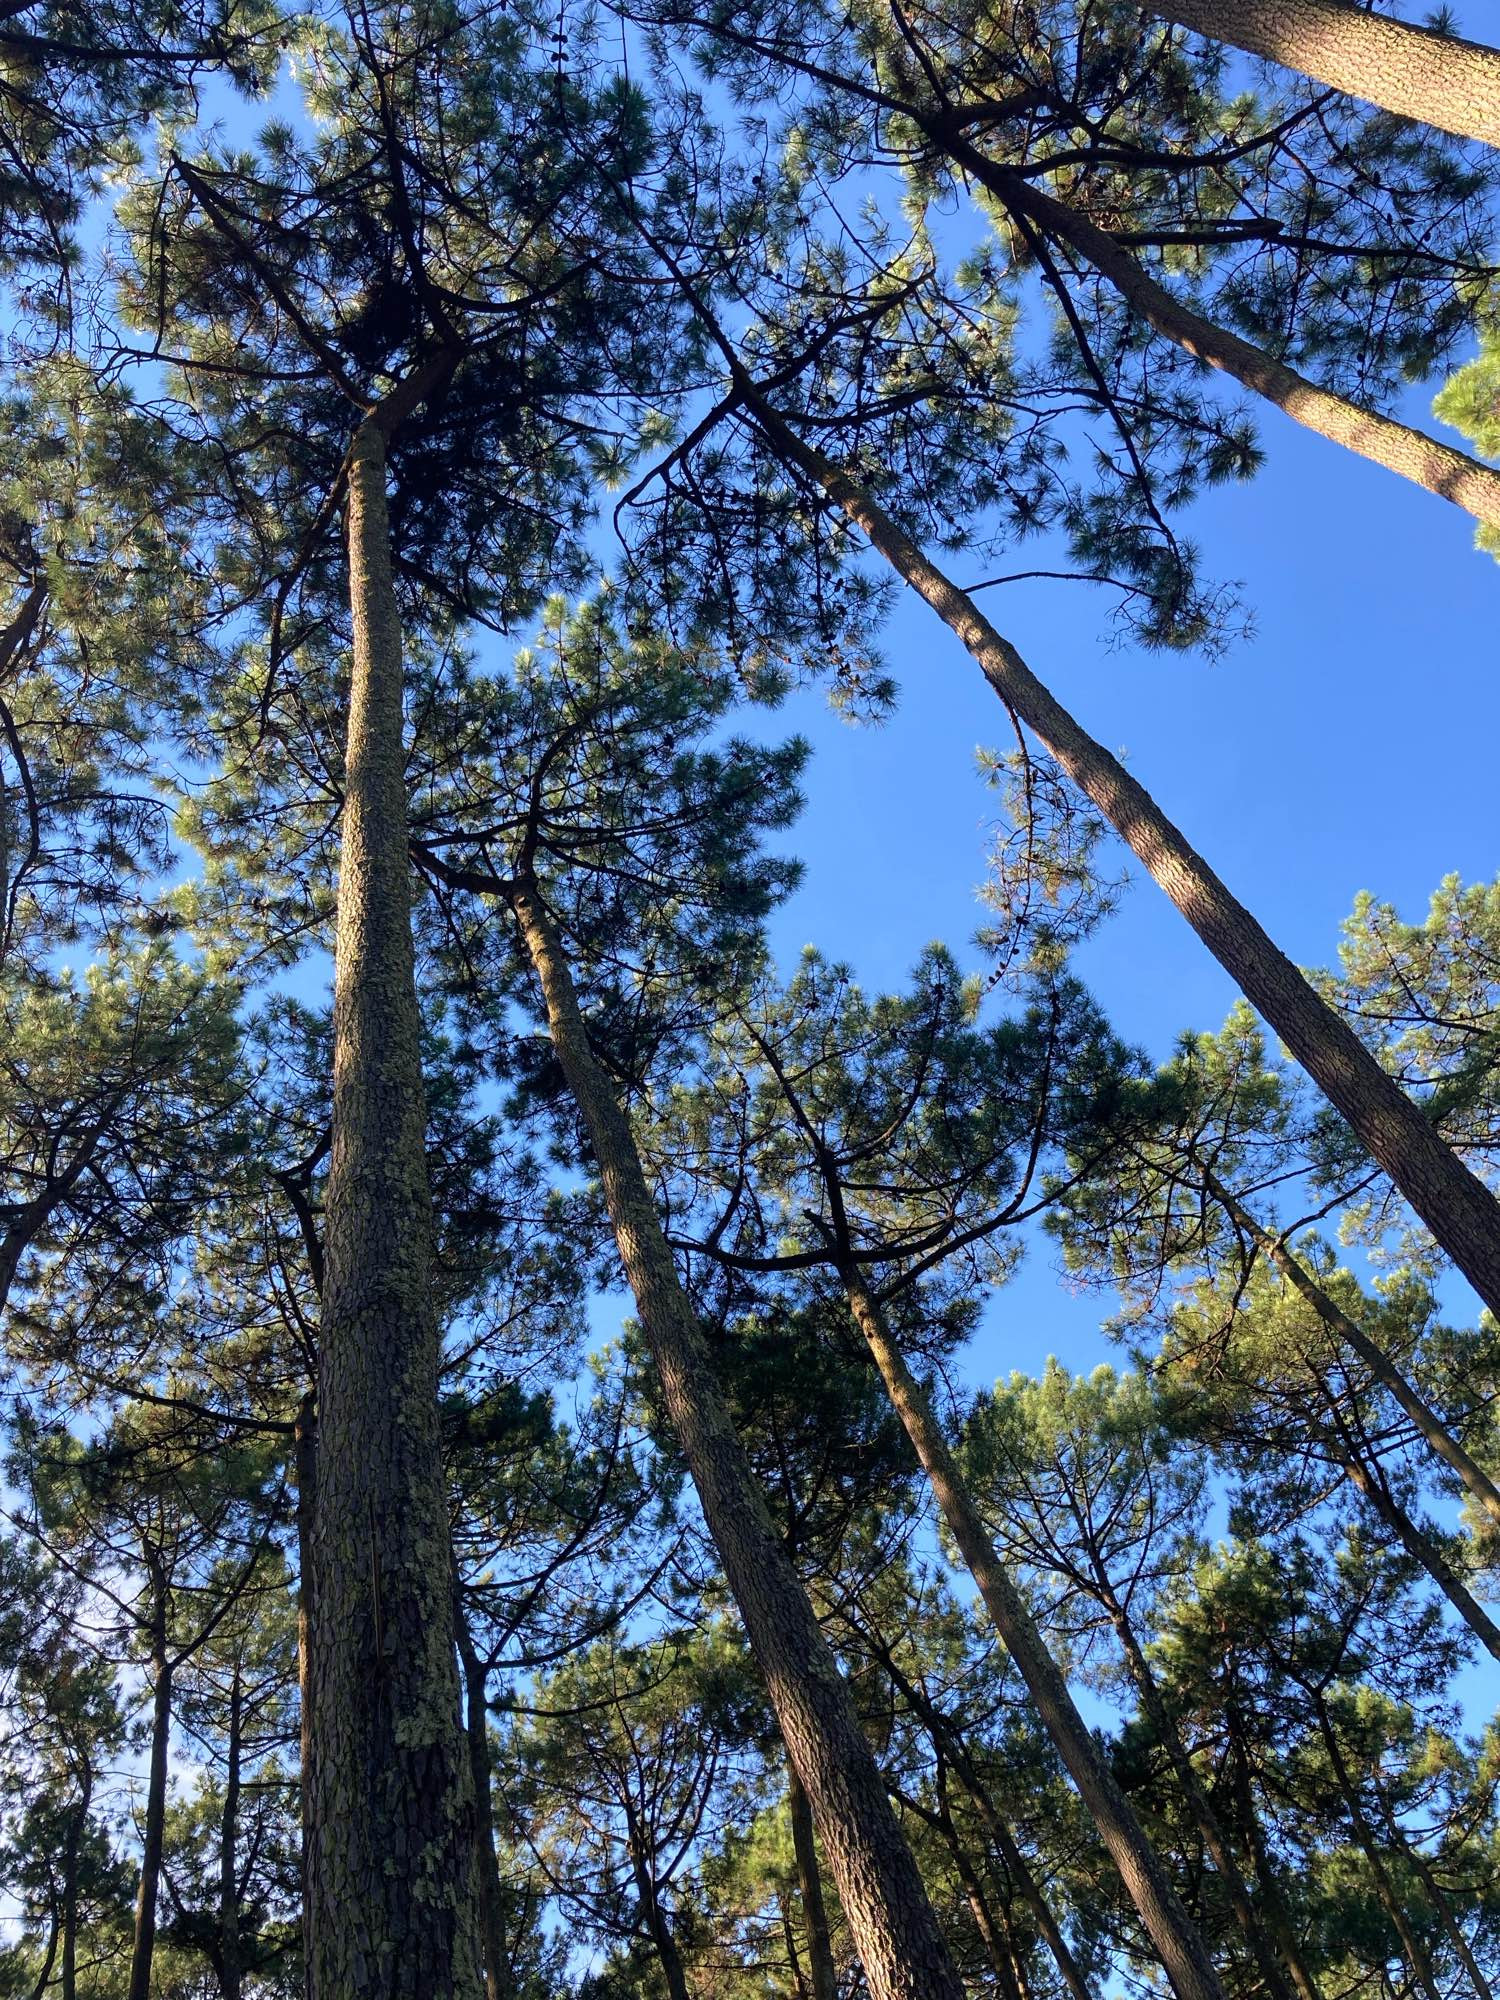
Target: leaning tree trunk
1171,1930
389,1815
1452,1201
883,1899
1451,474
1226,1866
1361,1467
1477,1482
1439,79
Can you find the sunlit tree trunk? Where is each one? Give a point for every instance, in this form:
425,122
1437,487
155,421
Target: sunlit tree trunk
389,1819
1453,1202
1452,475
1171,1930
1439,79
883,1899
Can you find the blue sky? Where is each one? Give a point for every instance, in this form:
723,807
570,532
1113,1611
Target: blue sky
1348,743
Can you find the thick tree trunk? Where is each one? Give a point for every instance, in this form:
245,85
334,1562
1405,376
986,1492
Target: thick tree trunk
390,1814
229,1898
1452,475
823,1975
154,1828
1453,1202
1178,1943
884,1902
1439,79
498,1983
1476,1481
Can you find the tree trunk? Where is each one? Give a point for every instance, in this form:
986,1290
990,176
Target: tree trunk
884,1902
498,1983
1416,1957
1439,79
946,1743
77,1827
1369,1481
1273,1905
997,1950
662,1941
822,1972
1452,475
1176,1938
1453,1202
1476,1481
229,1898
156,1809
305,1474
1225,1865
390,1833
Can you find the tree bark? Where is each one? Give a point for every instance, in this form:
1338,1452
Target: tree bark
997,1949
1453,1202
390,1814
1178,1942
1220,1853
1439,79
1476,1481
1416,1957
498,1983
77,1827
884,1902
1452,475
305,1474
823,1975
663,1943
154,1829
1369,1483
229,1900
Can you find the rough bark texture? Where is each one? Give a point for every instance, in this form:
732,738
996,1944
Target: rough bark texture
1440,79
884,1901
1453,1202
823,1976
1451,474
389,1816
1178,1943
